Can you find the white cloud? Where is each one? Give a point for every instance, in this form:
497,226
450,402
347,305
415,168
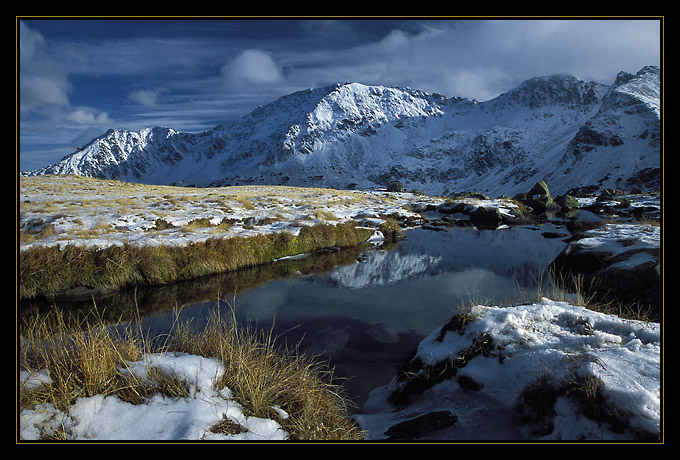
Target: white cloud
146,97
482,58
42,80
41,90
252,67
87,116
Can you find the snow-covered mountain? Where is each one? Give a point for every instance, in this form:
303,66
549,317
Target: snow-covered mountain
558,128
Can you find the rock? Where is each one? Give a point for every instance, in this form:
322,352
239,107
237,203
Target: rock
567,202
538,199
476,195
630,278
395,186
551,235
608,194
391,230
539,191
421,426
486,217
451,207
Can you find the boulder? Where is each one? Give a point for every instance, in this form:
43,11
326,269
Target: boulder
567,202
630,278
395,186
538,198
475,195
486,217
609,194
539,191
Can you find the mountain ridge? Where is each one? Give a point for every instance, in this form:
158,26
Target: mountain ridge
569,132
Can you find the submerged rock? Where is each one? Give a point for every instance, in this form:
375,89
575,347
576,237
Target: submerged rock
421,426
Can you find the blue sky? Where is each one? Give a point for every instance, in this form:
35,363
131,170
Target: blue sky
77,78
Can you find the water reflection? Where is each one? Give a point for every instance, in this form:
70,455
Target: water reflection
366,314
364,309
417,286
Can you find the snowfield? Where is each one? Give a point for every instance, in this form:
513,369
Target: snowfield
62,210
552,340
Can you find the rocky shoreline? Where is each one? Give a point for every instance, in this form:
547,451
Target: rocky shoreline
615,251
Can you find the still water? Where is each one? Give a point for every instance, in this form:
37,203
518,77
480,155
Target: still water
366,309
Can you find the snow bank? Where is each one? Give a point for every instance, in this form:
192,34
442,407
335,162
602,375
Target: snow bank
110,418
547,340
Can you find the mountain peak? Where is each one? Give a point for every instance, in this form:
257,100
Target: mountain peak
555,89
641,90
354,134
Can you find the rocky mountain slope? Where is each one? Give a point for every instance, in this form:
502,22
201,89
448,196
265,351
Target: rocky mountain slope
558,128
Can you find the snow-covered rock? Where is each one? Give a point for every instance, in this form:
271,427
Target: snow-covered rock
492,369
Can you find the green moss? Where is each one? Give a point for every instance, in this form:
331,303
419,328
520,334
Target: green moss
391,229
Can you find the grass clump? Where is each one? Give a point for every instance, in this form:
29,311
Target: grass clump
88,357
536,404
50,271
263,375
81,357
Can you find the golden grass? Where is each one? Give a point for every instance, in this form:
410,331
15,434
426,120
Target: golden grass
50,270
264,374
86,358
77,209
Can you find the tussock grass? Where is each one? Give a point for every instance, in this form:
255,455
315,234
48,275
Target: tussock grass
264,374
87,357
81,357
579,290
535,406
49,271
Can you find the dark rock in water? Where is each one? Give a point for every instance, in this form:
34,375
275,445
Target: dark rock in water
572,261
421,426
566,202
486,217
451,207
637,285
551,235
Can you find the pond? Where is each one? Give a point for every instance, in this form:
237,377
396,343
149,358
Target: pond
365,310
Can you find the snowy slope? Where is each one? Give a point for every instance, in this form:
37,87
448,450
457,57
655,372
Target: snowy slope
570,132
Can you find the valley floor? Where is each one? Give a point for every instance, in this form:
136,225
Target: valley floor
623,357
62,210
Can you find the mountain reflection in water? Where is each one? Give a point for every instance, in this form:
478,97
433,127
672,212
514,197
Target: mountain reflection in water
369,312
363,309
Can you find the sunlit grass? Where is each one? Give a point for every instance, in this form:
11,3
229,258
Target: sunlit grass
51,270
88,357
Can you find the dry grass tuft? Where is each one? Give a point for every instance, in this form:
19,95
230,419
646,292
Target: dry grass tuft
264,374
87,357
